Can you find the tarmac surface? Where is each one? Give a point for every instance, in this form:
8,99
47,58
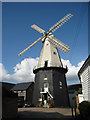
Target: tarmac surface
43,113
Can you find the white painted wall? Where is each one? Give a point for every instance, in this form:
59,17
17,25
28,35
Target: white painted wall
80,97
49,53
85,80
89,82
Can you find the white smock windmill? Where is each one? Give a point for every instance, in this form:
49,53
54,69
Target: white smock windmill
49,66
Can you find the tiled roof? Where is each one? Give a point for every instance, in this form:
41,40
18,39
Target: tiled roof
74,87
21,86
6,90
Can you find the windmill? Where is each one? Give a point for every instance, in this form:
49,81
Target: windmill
50,80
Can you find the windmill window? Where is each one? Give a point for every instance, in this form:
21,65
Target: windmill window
45,78
60,87
46,85
47,44
60,83
54,53
46,63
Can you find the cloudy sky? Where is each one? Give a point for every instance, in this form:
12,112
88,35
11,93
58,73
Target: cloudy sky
17,35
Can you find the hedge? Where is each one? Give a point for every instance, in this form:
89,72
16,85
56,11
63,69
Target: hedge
84,108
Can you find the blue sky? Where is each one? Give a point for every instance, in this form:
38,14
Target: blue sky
17,33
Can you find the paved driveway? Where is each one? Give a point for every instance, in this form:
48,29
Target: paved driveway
62,113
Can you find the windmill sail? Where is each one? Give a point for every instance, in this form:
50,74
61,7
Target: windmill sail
38,28
52,40
59,44
60,23
30,46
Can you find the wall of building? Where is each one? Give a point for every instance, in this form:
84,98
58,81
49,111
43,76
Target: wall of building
39,84
57,86
60,88
89,82
80,97
9,107
72,100
85,80
22,93
29,93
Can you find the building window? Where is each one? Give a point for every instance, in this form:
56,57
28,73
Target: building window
60,87
46,63
45,78
45,85
60,83
54,53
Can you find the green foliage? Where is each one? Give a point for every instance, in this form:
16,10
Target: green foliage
40,104
80,91
84,108
50,103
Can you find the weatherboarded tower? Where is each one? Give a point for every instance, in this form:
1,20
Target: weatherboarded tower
50,80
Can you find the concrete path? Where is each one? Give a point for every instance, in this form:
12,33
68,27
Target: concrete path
62,113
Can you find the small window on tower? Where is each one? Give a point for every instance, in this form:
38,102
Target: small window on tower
45,78
60,83
46,63
54,53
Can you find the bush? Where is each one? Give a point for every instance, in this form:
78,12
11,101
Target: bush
50,104
80,91
40,104
84,108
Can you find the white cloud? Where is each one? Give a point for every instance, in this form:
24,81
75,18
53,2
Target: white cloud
23,72
3,73
71,75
